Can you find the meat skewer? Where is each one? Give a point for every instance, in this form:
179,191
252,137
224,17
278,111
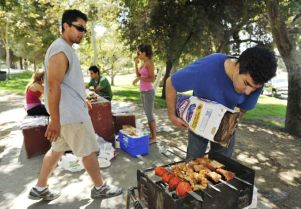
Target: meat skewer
221,165
206,165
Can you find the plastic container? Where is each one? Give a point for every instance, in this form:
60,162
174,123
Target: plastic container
134,145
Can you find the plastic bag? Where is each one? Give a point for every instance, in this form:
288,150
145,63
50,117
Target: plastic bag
70,162
106,149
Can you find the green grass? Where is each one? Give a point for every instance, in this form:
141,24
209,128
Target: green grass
17,82
268,110
132,93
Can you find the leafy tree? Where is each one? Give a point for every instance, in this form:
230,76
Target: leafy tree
184,30
285,22
7,17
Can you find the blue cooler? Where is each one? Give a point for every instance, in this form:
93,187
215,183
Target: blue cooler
134,145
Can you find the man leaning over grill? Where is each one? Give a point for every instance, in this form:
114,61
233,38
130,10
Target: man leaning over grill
232,82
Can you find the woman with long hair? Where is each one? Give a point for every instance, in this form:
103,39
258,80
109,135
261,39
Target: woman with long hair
33,93
145,74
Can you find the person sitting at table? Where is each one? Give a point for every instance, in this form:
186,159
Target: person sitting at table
33,92
99,84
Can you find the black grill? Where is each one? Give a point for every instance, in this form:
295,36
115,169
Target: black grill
154,194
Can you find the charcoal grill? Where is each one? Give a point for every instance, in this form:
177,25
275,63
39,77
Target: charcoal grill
152,193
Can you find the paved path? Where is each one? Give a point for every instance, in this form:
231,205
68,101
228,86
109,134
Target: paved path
273,154
18,174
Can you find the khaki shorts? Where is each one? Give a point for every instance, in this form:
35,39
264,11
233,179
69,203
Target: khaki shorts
78,137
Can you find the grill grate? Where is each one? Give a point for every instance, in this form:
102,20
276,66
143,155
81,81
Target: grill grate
155,194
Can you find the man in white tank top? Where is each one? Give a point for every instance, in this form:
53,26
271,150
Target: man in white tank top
70,125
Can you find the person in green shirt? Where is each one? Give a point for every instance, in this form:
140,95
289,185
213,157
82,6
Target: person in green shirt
99,84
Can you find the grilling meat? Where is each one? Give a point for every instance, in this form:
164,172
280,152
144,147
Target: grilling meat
198,171
196,174
227,174
214,176
187,172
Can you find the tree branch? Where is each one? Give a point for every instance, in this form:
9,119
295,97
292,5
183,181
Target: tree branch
245,40
295,31
296,19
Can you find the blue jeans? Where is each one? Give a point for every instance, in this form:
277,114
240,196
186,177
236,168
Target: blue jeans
197,146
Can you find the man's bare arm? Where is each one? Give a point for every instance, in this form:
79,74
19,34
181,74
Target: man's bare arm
171,99
57,67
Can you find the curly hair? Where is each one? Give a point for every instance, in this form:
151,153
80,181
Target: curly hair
260,62
147,49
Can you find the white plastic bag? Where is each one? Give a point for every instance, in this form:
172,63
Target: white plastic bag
71,163
106,149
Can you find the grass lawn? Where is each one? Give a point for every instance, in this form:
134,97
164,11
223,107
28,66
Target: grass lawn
17,82
131,93
268,109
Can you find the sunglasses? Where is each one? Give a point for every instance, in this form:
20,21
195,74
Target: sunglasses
79,28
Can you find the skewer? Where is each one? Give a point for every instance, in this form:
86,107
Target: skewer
210,185
196,196
222,181
229,185
213,187
244,181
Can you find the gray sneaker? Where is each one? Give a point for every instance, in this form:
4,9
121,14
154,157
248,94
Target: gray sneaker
44,194
106,191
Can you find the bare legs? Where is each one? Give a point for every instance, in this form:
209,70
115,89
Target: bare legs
153,132
92,167
50,161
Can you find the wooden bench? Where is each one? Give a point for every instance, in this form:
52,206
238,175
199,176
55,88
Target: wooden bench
35,142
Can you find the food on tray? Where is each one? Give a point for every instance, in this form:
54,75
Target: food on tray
183,188
159,171
92,97
196,173
129,130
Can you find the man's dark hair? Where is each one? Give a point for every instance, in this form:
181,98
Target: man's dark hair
147,49
95,69
71,15
260,62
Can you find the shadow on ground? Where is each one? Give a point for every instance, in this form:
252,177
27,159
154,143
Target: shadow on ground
273,154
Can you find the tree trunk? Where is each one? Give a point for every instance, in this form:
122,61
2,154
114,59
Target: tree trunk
167,74
21,63
293,112
7,51
286,45
112,80
34,66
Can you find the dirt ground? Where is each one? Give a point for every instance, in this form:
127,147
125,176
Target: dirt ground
272,153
